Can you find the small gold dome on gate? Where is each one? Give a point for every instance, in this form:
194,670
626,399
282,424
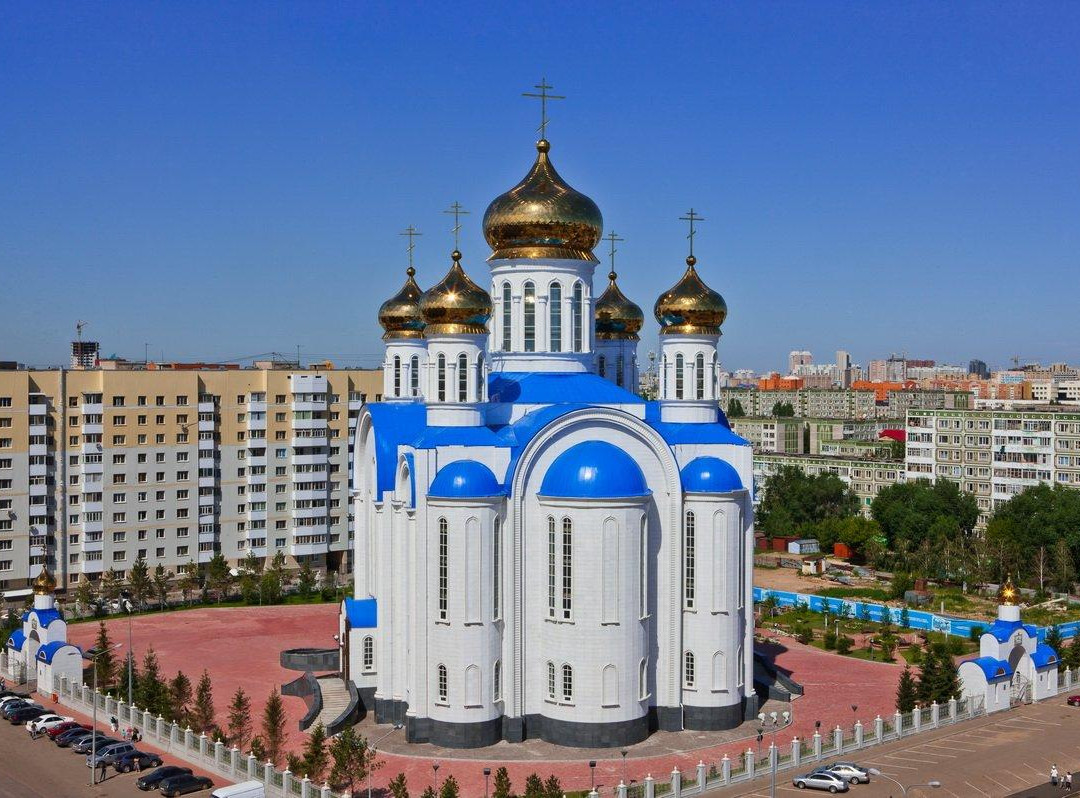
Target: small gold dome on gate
690,307
44,584
616,316
455,304
400,314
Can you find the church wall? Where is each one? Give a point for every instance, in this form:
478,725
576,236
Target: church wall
610,351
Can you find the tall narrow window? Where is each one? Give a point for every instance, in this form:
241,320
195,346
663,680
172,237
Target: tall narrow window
481,379
472,686
688,669
496,570
579,293
555,311
689,556
643,679
678,376
441,376
609,572
643,570
397,376
699,376
463,378
620,364
507,318
369,654
663,376
444,569
496,681
529,300
551,680
443,684
567,569
601,366
567,684
414,376
551,567
719,671
609,686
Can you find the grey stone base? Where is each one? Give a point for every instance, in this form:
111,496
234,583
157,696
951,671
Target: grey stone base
713,718
465,735
669,718
417,730
513,729
751,705
587,735
367,700
389,710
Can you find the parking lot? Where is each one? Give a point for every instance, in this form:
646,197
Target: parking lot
30,768
1007,755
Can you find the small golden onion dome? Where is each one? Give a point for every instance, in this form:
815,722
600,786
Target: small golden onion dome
400,314
543,217
456,304
1008,595
44,584
690,307
616,316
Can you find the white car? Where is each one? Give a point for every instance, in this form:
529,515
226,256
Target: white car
46,722
7,698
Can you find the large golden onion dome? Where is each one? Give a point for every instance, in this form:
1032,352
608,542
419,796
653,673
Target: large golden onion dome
690,307
616,316
543,217
456,304
44,584
400,314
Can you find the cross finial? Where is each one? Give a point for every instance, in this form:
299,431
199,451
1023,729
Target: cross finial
612,237
692,217
543,96
458,211
412,233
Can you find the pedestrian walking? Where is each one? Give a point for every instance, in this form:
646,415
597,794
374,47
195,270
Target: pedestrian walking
1068,779
104,771
1054,775
138,764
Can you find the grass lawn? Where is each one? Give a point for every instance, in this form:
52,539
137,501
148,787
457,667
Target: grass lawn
872,593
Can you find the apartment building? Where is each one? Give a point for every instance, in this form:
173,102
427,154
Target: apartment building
993,454
769,434
807,402
866,478
99,468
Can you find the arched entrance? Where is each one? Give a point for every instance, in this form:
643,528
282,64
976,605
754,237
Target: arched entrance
1020,686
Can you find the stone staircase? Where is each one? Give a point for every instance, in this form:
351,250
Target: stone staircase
335,700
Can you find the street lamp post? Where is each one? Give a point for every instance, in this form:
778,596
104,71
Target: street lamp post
625,780
487,774
130,609
435,767
592,775
933,784
374,750
771,722
90,655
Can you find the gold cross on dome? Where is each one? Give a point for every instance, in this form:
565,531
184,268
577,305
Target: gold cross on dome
691,217
543,97
613,237
412,233
458,211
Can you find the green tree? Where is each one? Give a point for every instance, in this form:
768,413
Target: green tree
947,683
315,758
161,585
202,713
1072,654
905,617
503,787
796,499
735,409
552,787
84,594
139,582
913,513
179,697
104,664
449,788
251,564
151,692
351,759
271,586
190,579
534,787
1053,639
783,410
306,580
929,676
258,748
1037,518
429,792
111,584
907,693
240,726
399,786
273,727
294,764
218,577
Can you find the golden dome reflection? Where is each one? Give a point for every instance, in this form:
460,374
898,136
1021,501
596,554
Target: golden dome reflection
456,304
616,316
690,307
543,217
44,584
400,314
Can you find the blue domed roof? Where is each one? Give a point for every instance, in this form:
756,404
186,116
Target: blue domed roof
594,470
710,475
464,479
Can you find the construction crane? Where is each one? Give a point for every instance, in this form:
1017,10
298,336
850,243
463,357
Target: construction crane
79,328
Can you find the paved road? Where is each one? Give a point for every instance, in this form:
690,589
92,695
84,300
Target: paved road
1007,755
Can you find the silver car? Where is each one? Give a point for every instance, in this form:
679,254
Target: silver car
849,772
820,780
106,755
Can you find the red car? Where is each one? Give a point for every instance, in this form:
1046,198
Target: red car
1074,701
60,728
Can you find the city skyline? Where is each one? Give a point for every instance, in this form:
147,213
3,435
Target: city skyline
230,185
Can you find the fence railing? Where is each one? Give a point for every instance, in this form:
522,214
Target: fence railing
196,749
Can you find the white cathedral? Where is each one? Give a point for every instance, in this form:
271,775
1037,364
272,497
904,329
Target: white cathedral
540,552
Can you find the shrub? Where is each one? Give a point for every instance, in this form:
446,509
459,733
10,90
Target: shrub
956,645
975,633
804,634
830,640
844,644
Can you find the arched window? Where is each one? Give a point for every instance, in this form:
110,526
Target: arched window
397,376
688,669
507,318
609,686
552,575
555,312
663,376
740,666
496,570
368,647
719,672
472,686
689,557
529,326
601,366
551,680
579,331
441,376
414,376
567,569
443,685
699,375
678,376
496,681
567,684
463,378
643,569
619,365
643,679
481,379
444,569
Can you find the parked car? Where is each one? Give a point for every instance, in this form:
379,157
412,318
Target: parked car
71,736
83,746
23,714
60,728
136,760
46,721
245,789
13,706
108,754
182,785
10,696
849,772
153,779
820,780
1074,701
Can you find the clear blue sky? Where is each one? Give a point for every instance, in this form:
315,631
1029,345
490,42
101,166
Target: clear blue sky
224,179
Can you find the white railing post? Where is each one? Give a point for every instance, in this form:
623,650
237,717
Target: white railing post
916,720
701,776
159,727
202,744
898,723
838,740
268,773
650,786
935,714
725,770
817,745
592,794
622,790
676,783
796,751
189,735
858,734
750,763
286,781
952,710
879,729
